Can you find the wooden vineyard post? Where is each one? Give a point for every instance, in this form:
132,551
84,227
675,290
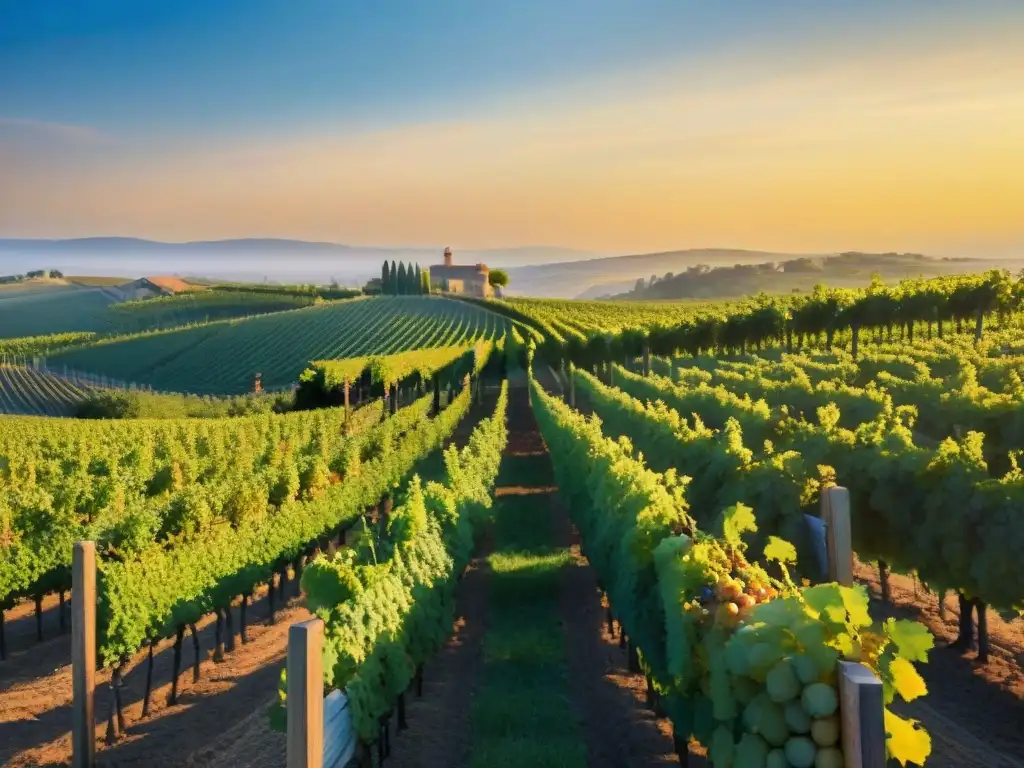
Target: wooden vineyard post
437,394
394,399
83,654
572,387
835,512
647,359
862,714
306,695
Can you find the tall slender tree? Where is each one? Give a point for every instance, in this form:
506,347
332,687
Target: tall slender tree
425,284
385,279
393,279
402,286
417,281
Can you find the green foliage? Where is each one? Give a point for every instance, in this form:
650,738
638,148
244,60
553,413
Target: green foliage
110,404
280,345
730,647
387,613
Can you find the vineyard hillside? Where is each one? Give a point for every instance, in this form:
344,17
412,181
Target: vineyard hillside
28,392
222,358
55,309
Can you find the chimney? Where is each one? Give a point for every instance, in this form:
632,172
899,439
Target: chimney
447,257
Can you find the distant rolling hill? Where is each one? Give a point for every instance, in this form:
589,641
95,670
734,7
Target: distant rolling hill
279,260
594,278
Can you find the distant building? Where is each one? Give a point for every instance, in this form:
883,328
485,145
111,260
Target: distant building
151,287
451,278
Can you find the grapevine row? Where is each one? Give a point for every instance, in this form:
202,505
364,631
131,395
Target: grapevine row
746,662
388,603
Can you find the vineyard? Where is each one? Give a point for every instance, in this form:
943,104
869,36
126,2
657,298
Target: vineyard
56,309
532,533
280,345
26,391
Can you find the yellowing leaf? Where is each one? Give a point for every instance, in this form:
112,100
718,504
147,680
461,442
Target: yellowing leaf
905,679
779,550
856,601
905,743
737,520
912,638
827,600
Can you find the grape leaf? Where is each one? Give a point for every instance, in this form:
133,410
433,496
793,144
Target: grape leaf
912,638
737,520
779,550
827,600
905,679
856,601
905,743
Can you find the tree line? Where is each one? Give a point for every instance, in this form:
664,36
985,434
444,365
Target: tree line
403,281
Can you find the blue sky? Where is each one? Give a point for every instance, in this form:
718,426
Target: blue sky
117,117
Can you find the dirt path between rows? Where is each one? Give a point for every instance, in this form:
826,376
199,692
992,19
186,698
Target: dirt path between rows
618,727
974,712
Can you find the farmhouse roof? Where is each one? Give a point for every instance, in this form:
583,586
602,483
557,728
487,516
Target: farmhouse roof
172,284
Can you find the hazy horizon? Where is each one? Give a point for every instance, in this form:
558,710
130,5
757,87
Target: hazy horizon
617,127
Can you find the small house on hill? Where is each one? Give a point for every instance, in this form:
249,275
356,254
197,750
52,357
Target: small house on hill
470,280
151,287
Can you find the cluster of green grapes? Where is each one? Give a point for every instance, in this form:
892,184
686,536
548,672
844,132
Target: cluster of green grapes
788,697
770,672
754,660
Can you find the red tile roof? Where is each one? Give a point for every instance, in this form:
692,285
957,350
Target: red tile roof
172,284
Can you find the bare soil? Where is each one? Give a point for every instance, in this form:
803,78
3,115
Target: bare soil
974,712
35,698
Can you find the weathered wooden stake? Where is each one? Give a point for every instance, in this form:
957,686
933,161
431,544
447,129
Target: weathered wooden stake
983,645
149,681
117,683
83,654
61,617
243,627
306,694
39,618
218,641
862,716
270,598
647,359
883,580
195,648
229,627
172,699
835,511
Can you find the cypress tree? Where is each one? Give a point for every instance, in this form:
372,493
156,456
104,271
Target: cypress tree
402,284
385,279
393,279
425,285
417,281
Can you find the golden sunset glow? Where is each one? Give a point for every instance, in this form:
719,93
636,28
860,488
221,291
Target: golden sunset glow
910,149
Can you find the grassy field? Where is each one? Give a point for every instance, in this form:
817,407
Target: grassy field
223,357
